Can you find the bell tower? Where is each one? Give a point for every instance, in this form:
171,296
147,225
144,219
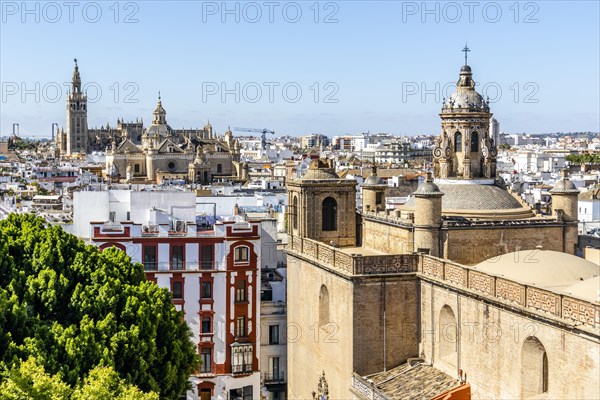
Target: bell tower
77,128
465,149
321,206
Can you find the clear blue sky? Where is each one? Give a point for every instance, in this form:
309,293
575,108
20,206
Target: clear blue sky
375,58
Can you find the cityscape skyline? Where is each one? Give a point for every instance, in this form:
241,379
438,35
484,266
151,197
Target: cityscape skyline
305,79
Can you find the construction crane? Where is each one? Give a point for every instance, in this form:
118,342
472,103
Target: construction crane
263,138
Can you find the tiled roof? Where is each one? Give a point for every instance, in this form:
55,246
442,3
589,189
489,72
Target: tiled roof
419,382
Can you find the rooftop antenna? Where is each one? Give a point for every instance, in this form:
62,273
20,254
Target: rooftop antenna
466,50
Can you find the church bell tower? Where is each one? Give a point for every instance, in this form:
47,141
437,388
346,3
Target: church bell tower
77,128
322,206
465,149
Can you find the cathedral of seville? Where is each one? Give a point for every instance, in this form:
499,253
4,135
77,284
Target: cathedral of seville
153,154
464,292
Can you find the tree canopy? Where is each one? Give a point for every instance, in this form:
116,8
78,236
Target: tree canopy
73,309
585,158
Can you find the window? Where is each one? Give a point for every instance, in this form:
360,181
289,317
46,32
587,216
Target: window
206,361
474,142
206,290
241,254
150,258
329,214
112,216
240,291
136,168
177,257
273,334
244,393
457,142
273,369
206,326
171,166
323,305
206,257
242,358
295,212
219,168
240,327
177,289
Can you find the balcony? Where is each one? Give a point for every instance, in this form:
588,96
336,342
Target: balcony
241,369
273,377
151,266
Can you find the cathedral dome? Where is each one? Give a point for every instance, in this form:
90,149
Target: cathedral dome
465,97
474,200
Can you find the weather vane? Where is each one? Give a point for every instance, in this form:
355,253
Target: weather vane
466,50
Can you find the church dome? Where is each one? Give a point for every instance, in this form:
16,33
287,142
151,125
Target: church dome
465,97
474,200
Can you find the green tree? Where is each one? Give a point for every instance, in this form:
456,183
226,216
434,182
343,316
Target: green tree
74,308
30,381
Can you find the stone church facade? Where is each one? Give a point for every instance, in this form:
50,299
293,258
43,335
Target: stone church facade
464,279
153,154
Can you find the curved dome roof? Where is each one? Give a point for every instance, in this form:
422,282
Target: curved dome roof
588,289
159,130
373,180
428,188
475,201
465,97
319,174
548,269
564,185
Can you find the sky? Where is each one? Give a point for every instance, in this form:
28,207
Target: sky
330,67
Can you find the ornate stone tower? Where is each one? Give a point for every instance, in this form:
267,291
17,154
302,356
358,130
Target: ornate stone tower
428,217
465,149
564,205
322,206
373,192
77,129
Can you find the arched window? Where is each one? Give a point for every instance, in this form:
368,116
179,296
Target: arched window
329,214
323,305
534,368
295,212
241,254
457,142
474,142
448,335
